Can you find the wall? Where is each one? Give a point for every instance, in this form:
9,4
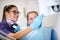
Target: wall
31,5
57,28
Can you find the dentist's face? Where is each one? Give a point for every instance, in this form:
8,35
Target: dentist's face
31,17
13,14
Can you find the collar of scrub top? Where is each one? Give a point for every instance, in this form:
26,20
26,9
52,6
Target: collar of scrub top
14,24
6,24
28,24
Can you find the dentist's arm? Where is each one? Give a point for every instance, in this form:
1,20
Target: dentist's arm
35,25
21,33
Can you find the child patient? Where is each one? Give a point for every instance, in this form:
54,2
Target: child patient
31,16
42,33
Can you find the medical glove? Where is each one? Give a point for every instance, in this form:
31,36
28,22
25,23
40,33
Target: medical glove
37,22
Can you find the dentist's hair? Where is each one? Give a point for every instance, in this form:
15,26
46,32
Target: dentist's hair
7,8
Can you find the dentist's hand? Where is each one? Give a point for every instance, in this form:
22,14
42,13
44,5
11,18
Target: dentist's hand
37,22
16,28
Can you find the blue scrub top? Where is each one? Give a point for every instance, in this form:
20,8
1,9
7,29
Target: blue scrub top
6,28
28,24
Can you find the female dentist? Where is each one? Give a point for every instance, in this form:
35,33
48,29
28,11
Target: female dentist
10,16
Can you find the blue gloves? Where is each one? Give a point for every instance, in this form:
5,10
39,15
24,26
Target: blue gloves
16,28
37,22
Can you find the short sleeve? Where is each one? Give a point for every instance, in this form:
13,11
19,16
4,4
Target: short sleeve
4,31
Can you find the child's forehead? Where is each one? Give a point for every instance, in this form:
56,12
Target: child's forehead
31,14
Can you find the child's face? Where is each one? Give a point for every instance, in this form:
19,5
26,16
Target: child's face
31,17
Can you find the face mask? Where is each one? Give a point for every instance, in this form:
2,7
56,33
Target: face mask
9,20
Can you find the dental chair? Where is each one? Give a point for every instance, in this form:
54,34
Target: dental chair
43,33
